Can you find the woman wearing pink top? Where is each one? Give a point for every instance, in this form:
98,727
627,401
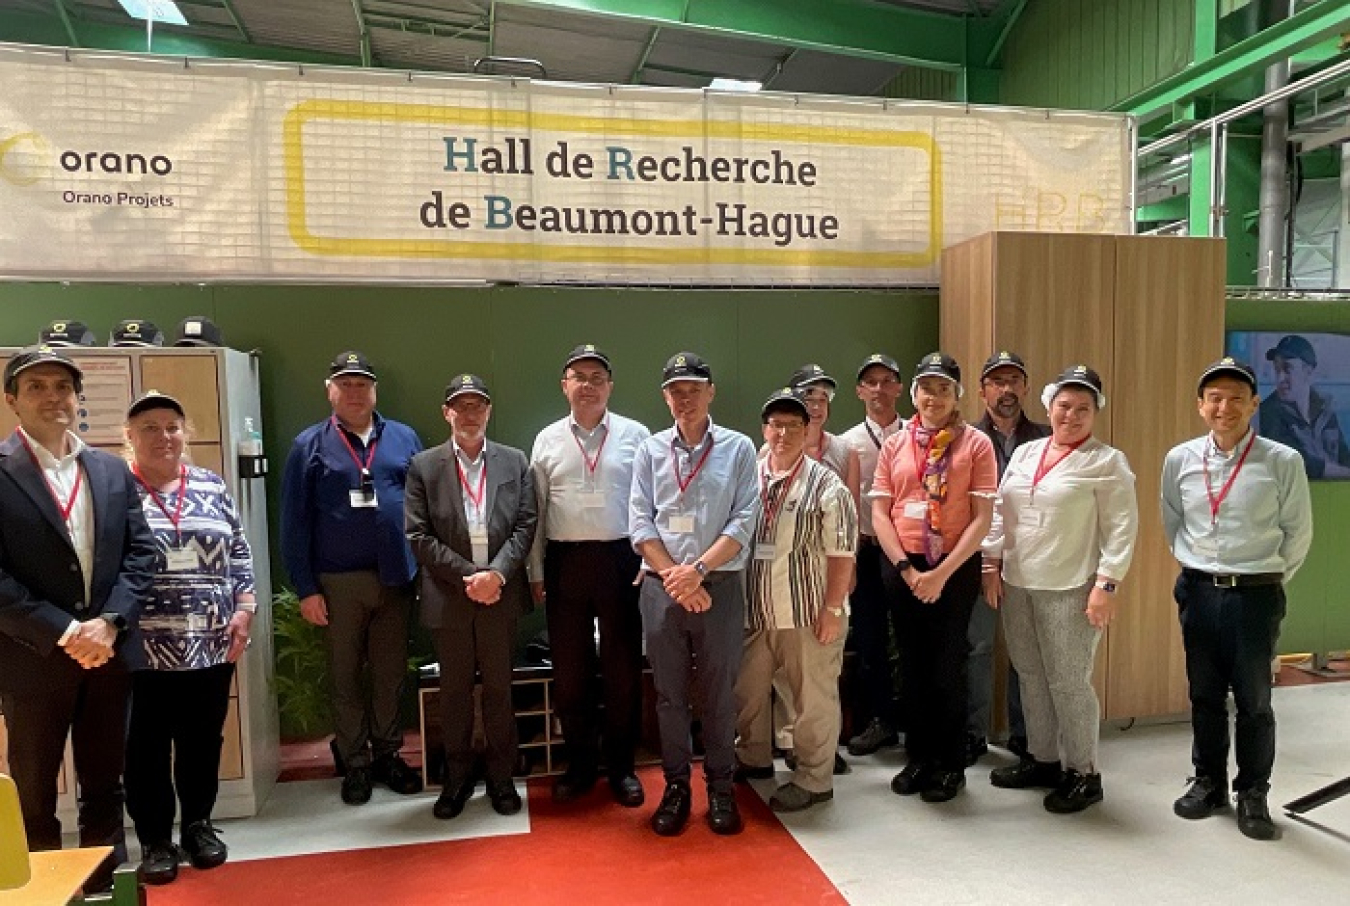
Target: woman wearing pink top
932,501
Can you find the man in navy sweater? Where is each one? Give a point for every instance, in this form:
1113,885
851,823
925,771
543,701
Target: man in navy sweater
343,543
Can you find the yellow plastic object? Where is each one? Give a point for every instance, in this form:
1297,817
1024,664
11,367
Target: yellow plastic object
14,868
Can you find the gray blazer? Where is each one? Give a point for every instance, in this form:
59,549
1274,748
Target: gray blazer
433,517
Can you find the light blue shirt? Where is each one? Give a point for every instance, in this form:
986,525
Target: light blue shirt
722,499
1264,525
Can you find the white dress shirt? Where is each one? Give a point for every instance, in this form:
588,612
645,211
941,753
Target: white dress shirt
576,502
60,476
473,476
1264,525
1080,520
867,437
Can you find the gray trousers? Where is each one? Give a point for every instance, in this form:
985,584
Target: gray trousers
705,647
367,626
1053,647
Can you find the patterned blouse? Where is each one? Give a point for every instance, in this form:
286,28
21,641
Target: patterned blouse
193,597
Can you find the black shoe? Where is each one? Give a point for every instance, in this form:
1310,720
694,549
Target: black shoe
1027,774
790,760
976,748
203,846
748,772
393,772
1254,817
1018,746
1074,793
159,863
673,812
1203,798
944,786
913,779
452,800
356,786
572,786
723,816
505,799
877,735
627,791
791,798
840,765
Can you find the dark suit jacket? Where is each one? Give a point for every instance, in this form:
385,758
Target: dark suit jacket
40,579
439,533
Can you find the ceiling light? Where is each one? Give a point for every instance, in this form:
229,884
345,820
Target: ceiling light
735,85
165,11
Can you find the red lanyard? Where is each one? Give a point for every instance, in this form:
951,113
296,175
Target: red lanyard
1043,470
370,451
64,508
922,463
675,462
770,511
1216,502
477,499
159,502
824,447
592,464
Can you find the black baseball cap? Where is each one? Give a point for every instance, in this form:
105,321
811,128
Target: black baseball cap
938,364
785,399
39,355
198,330
63,333
461,384
351,362
885,361
1293,347
587,351
1003,359
153,399
811,374
1227,367
136,332
685,366
1076,376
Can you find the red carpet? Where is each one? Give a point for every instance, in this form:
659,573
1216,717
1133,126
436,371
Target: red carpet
593,852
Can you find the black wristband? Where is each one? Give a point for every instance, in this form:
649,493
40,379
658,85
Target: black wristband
902,565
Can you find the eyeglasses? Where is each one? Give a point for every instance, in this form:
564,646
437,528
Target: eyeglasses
595,380
879,384
778,427
1013,381
818,397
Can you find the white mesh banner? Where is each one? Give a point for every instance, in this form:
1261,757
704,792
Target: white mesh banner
154,169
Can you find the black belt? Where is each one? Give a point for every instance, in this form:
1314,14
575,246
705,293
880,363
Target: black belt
1234,580
711,578
868,540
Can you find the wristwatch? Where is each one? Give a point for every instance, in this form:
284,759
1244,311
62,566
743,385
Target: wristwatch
835,611
700,567
1108,586
115,620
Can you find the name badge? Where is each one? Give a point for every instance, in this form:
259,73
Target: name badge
362,499
764,551
916,509
178,561
1207,547
1033,516
681,525
592,500
198,622
478,535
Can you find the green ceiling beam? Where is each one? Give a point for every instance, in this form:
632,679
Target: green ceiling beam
1205,30
492,29
65,21
238,22
1007,14
363,29
636,77
856,28
1252,55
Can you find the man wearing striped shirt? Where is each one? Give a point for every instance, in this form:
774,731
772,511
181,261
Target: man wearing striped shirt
801,568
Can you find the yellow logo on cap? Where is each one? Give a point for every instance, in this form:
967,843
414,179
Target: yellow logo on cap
133,327
1228,360
59,327
1080,369
1003,356
787,390
588,348
874,357
44,348
679,360
352,358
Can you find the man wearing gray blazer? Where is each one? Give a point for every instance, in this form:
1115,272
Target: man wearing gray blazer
470,513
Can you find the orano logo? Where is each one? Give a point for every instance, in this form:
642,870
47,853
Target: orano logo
24,158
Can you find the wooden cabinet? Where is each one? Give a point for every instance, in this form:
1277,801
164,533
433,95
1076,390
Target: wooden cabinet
1147,313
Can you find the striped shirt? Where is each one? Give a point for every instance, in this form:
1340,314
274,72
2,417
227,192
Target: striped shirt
184,617
801,527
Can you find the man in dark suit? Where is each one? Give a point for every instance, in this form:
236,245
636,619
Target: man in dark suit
76,558
470,514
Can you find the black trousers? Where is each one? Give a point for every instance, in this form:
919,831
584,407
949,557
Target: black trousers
873,616
934,654
474,637
586,582
1229,635
93,713
174,743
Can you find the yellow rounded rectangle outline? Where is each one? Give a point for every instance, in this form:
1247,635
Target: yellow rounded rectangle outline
377,111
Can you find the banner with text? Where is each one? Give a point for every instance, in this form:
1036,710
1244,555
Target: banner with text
153,169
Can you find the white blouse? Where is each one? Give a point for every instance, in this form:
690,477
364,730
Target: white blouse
1080,520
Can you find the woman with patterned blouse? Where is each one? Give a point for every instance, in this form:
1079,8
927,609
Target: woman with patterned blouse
196,624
